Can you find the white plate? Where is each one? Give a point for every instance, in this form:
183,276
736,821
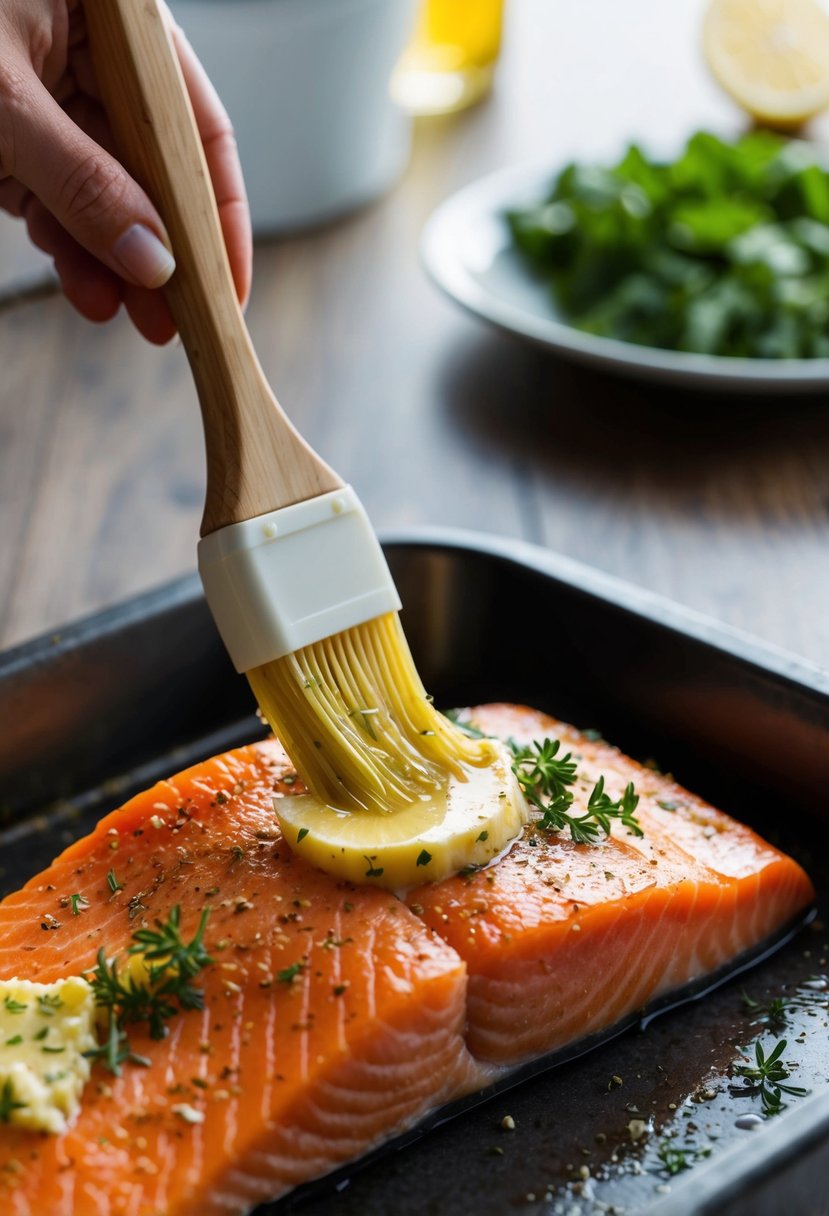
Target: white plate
467,250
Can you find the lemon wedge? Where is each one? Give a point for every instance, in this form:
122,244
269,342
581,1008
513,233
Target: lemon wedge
470,822
771,56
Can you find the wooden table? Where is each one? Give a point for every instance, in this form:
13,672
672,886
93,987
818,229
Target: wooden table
722,504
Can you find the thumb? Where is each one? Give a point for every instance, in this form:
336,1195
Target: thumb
90,194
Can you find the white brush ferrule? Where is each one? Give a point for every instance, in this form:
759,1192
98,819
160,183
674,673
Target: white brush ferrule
284,580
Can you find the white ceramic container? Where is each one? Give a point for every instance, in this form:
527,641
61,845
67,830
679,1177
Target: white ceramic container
306,84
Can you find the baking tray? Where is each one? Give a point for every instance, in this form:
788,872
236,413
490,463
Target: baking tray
98,711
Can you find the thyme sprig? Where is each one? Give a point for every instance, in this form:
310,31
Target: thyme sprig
769,1013
544,777
115,1050
767,1077
172,959
172,965
776,1011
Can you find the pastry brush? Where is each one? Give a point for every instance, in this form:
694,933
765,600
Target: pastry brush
292,570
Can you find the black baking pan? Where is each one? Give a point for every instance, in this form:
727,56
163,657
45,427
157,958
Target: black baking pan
651,1122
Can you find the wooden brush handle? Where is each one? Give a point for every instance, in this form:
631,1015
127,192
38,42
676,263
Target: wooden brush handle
256,460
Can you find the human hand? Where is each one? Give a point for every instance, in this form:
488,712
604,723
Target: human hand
58,171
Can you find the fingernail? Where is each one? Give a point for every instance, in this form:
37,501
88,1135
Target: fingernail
144,256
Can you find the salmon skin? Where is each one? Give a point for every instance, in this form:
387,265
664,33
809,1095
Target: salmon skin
337,1016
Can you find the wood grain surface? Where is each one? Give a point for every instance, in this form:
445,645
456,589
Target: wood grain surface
720,503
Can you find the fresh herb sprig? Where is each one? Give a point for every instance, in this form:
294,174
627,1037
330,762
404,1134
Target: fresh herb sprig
172,960
544,778
115,1050
172,965
774,1012
767,1077
777,1011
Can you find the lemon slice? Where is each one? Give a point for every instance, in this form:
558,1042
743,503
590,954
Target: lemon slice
771,56
468,823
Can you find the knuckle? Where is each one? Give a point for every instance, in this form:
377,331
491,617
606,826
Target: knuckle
92,190
41,44
221,134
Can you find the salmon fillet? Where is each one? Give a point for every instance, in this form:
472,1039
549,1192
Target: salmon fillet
292,1077
562,940
386,1008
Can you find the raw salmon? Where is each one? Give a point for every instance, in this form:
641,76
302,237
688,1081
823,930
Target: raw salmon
562,940
336,1016
293,1076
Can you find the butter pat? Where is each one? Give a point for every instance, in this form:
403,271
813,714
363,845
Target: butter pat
44,1031
471,821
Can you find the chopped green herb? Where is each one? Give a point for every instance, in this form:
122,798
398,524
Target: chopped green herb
55,1051
423,858
481,837
8,1102
288,974
372,871
469,870
114,884
78,901
221,797
666,805
301,834
236,853
13,1006
15,1040
41,1034
48,1004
